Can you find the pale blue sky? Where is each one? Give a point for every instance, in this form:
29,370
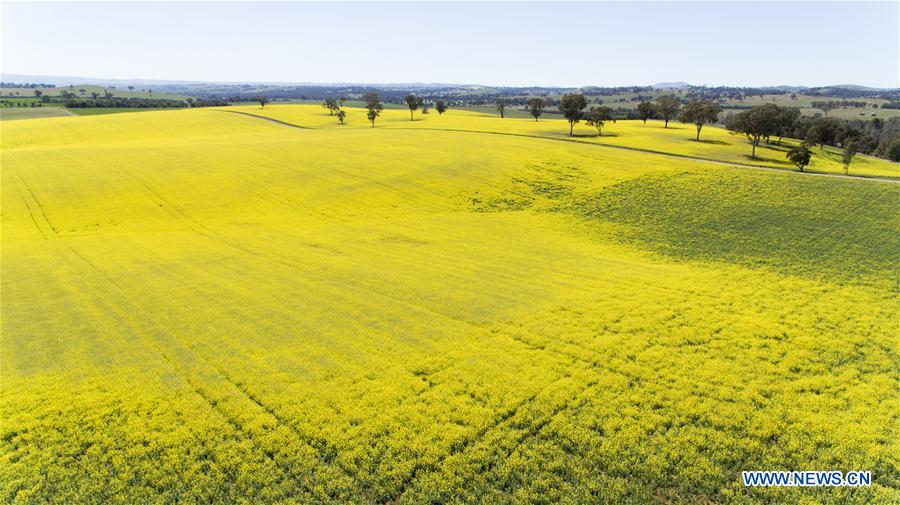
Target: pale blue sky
508,43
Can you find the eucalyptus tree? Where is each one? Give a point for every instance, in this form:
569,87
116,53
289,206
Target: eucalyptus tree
572,107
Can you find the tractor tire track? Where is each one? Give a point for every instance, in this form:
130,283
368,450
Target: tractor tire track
39,205
184,373
327,451
28,207
198,389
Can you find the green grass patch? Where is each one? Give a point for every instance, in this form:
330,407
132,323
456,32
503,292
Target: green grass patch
12,113
794,224
96,111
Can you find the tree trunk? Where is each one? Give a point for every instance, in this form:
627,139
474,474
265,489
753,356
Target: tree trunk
571,125
754,151
698,132
667,124
599,133
410,114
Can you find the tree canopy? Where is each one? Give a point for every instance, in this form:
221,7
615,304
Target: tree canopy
536,106
413,102
800,156
572,108
331,105
374,106
646,110
849,152
756,123
598,116
667,107
700,112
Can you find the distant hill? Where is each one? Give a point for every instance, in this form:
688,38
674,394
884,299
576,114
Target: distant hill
63,80
856,87
671,85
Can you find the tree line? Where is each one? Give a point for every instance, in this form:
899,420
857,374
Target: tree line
26,85
762,123
838,104
141,103
697,112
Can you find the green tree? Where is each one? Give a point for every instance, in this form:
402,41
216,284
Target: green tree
536,107
372,115
330,104
892,151
787,121
374,106
597,116
823,131
826,107
413,102
667,107
849,152
700,112
38,93
800,156
262,101
646,110
440,106
756,123
572,108
501,107
341,115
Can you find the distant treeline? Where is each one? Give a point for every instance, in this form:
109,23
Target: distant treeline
481,95
766,122
876,137
852,104
25,85
142,103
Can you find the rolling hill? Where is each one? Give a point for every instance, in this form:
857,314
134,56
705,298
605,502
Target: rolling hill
246,304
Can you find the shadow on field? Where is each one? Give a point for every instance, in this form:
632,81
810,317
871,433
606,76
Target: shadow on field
776,147
768,160
714,142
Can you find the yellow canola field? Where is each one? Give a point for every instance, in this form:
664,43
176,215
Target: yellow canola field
202,306
679,139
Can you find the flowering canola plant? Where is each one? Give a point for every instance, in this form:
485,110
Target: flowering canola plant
205,306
